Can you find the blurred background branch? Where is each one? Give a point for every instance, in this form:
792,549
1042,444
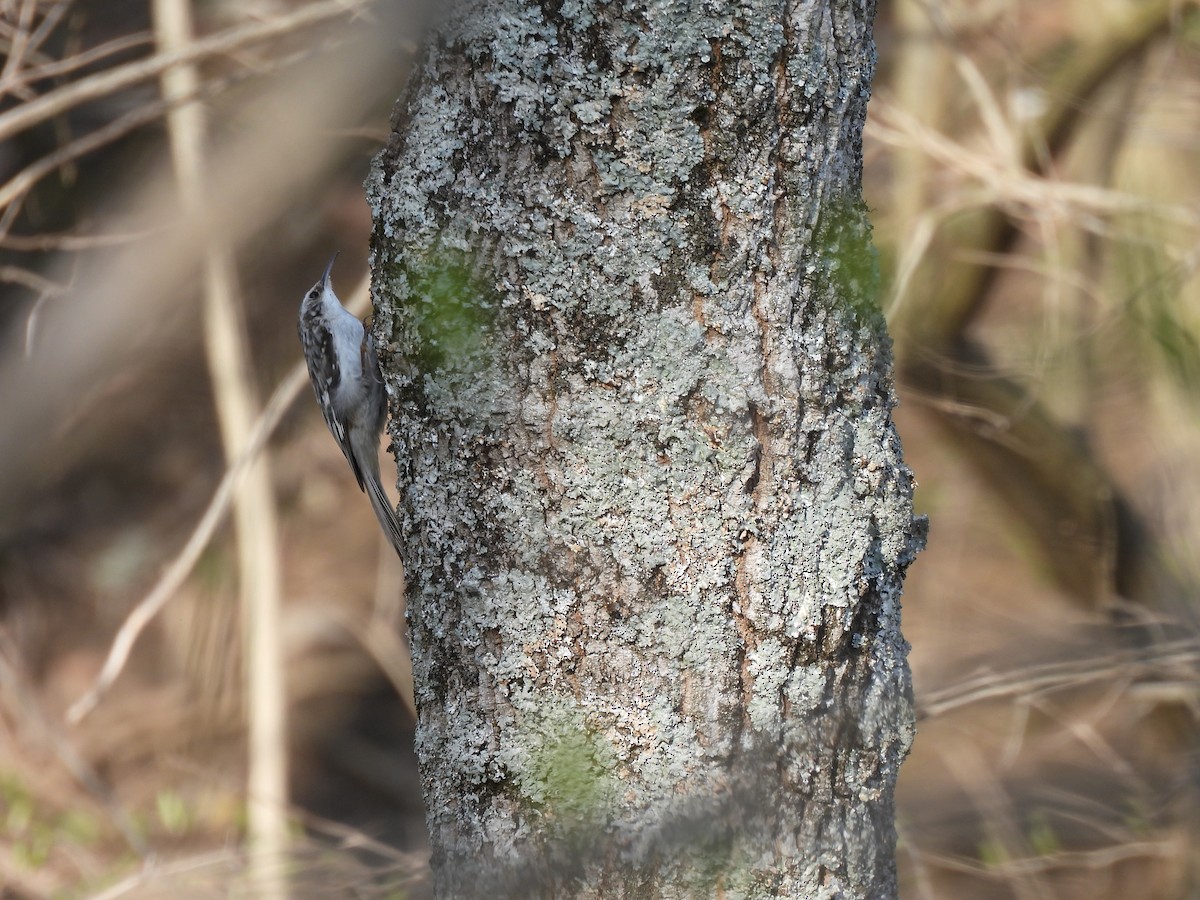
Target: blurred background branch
230,370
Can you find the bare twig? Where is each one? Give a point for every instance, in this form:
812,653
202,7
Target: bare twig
180,567
31,321
68,242
20,39
1040,679
56,67
48,24
31,280
103,83
24,181
21,183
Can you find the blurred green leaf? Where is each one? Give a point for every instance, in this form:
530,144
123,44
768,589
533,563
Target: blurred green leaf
173,812
20,814
992,851
80,827
1043,839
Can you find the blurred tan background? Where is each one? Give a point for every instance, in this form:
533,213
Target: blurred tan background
1032,173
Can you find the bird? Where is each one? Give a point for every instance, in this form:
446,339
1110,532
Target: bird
343,367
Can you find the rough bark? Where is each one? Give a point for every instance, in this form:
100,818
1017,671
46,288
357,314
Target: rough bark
655,511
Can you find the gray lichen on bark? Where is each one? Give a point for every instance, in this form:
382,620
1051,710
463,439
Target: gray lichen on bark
655,510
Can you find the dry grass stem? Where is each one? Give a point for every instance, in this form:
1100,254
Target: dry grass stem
1024,191
14,683
185,561
154,870
1160,660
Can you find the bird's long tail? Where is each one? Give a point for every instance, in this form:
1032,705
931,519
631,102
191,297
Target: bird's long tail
384,511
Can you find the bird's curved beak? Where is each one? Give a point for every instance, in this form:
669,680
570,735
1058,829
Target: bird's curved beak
329,268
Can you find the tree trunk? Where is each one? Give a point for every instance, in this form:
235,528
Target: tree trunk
655,511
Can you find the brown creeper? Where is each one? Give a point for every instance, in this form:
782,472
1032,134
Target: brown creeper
344,370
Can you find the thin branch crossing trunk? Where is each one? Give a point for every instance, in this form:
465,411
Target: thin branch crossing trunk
656,513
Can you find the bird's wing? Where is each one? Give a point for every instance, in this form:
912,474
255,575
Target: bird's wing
325,376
